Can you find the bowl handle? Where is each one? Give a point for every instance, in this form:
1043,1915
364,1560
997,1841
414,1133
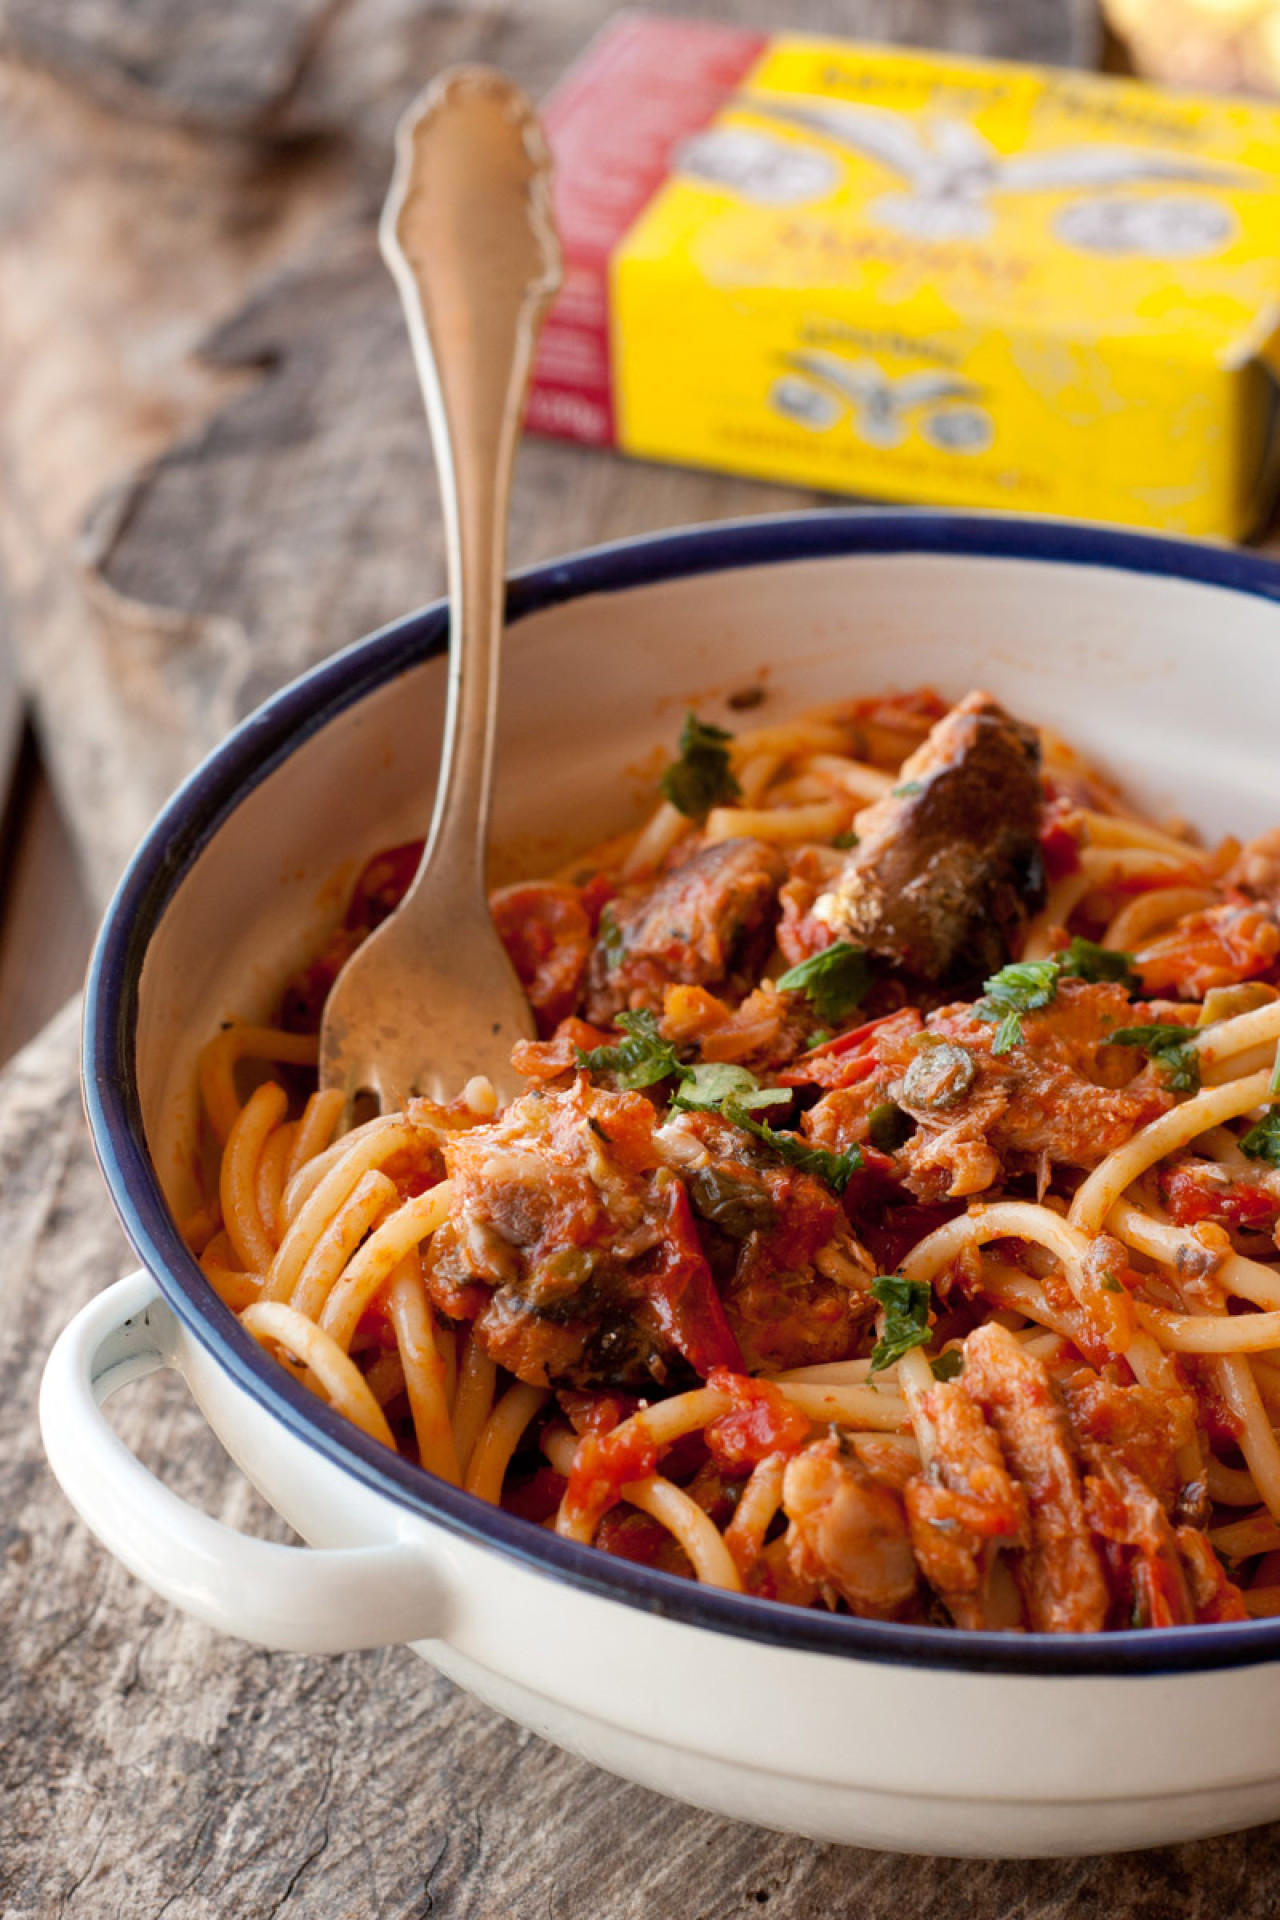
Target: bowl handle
301,1599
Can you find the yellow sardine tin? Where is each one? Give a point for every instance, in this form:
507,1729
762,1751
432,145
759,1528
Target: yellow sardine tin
891,273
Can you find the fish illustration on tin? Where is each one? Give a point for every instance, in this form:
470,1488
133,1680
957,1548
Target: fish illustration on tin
1163,226
819,385
952,172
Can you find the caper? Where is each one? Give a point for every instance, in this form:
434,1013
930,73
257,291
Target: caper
562,1273
737,1207
888,1127
939,1077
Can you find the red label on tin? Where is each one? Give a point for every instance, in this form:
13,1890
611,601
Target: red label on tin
643,86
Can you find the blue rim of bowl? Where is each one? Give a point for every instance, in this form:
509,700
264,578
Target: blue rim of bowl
266,738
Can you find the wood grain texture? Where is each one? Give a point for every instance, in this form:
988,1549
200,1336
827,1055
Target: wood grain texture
225,66
212,473
121,244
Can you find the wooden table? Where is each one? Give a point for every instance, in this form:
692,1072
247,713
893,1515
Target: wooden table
178,536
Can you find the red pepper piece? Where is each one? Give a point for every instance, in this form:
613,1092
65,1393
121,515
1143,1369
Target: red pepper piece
848,1058
680,1295
603,1467
760,1422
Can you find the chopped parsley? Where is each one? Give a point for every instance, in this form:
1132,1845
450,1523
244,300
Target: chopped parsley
837,1169
907,788
1028,985
706,1088
843,841
1262,1142
906,1306
1085,960
834,981
1023,987
1171,1050
611,935
700,779
948,1365
644,1058
640,1060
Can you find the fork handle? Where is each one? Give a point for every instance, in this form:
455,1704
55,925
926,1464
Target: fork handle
468,235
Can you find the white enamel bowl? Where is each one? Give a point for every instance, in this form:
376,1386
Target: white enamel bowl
1161,659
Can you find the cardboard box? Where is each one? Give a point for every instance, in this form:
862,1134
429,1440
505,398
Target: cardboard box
914,276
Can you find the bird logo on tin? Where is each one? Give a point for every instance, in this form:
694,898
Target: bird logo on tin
951,174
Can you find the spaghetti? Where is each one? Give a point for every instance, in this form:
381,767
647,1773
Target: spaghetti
891,1222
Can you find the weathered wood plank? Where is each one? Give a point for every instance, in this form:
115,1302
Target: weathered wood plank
177,538
313,65
225,66
121,244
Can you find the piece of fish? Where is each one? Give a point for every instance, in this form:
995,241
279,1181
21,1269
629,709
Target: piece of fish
947,868
709,922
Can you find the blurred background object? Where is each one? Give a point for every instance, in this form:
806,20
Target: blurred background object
915,276
1228,46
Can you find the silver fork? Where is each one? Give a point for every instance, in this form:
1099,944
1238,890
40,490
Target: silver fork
430,998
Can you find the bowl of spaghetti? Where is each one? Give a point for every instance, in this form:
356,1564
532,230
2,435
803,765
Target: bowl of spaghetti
860,1345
